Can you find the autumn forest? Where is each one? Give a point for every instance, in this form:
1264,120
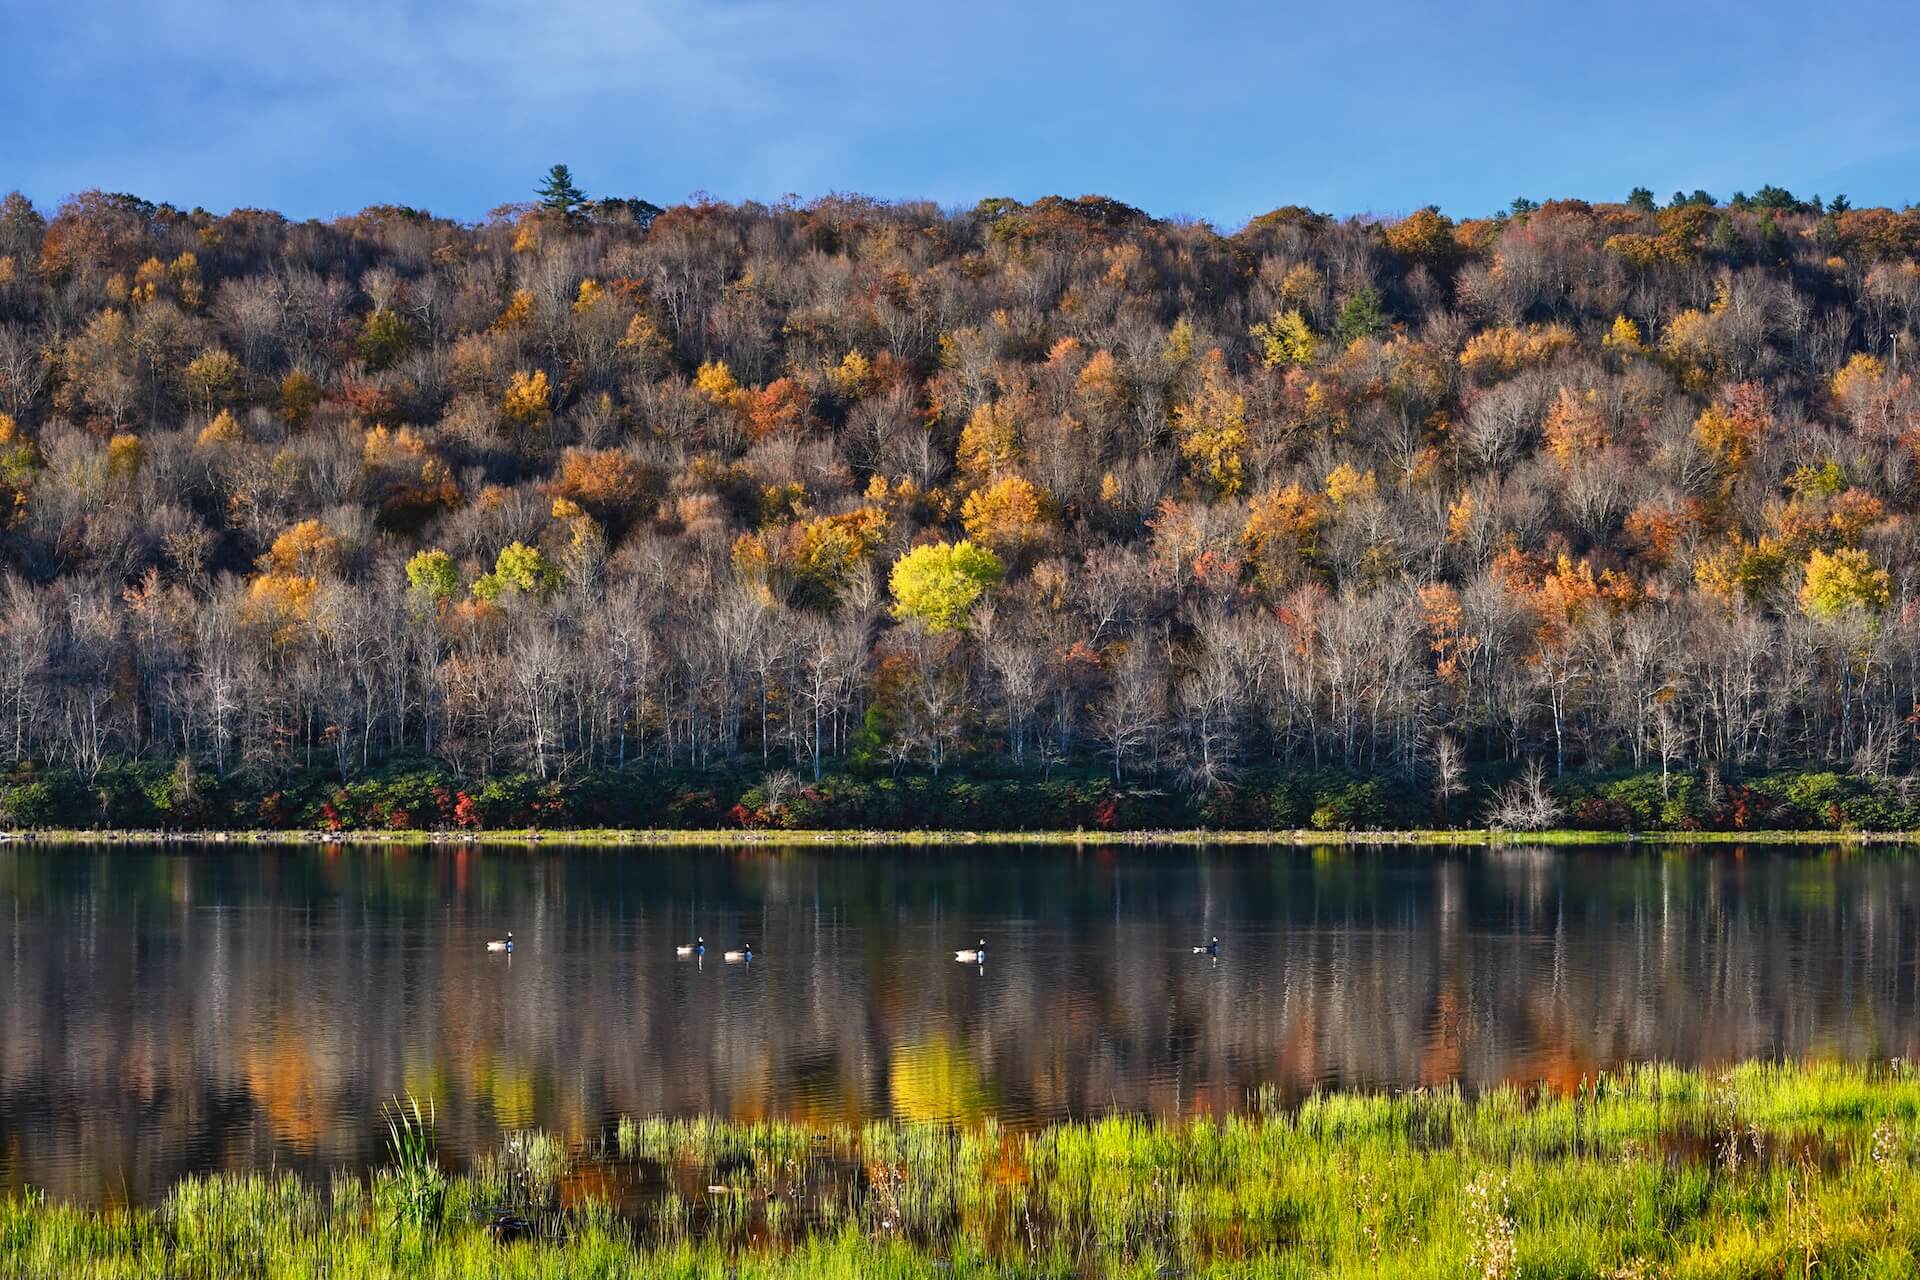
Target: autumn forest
711,514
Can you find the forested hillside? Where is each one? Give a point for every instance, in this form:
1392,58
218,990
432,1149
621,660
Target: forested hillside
885,491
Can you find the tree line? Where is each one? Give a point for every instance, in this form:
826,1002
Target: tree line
889,488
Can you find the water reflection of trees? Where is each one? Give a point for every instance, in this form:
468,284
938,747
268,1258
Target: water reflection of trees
161,1013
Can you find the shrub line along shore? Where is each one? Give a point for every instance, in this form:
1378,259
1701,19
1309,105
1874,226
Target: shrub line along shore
659,837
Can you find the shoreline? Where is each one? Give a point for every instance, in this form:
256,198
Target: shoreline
660,837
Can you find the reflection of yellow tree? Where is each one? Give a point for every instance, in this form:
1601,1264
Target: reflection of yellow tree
427,1081
511,1092
932,1080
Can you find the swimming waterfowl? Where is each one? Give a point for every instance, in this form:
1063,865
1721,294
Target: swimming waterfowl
697,948
976,956
735,957
1211,949
499,944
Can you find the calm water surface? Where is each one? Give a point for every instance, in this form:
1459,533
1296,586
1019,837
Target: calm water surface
188,1009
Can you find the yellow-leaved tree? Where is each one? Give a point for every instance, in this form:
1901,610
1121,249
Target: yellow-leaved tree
1623,339
282,598
1858,378
18,462
1283,533
518,570
1425,237
1575,428
1731,428
1347,482
433,576
1286,339
1211,429
937,584
1008,516
529,398
309,548
989,443
224,429
211,377
1844,583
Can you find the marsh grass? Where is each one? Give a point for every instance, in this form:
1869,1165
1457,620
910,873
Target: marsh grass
1760,1170
412,1187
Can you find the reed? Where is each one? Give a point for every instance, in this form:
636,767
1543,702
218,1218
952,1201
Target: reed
412,1188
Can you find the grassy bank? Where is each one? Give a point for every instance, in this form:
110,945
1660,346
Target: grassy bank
416,799
734,839
1758,1171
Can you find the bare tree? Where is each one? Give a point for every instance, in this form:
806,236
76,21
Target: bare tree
1128,717
1448,772
1526,804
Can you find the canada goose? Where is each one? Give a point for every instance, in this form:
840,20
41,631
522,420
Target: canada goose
699,948
735,957
499,945
978,956
1211,949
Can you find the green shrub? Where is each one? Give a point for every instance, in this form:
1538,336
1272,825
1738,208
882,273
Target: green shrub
30,804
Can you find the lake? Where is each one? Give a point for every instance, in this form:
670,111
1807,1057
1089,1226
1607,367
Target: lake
172,1009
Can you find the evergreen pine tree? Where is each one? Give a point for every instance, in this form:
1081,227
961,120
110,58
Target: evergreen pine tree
558,192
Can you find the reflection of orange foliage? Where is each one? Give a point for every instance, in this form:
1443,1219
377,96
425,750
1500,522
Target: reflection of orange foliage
1008,1167
589,1182
1442,1054
1299,1057
280,1078
1556,1063
821,1108
752,1082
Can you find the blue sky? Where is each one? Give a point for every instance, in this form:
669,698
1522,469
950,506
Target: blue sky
1217,111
